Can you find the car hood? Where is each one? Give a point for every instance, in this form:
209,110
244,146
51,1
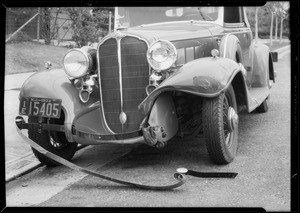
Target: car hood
174,31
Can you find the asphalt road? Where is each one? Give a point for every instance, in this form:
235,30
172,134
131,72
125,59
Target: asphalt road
262,164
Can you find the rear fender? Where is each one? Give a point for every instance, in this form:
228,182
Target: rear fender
206,77
55,84
260,57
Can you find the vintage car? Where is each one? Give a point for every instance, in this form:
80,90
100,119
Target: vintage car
163,72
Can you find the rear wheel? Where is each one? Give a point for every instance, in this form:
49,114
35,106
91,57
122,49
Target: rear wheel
220,126
54,142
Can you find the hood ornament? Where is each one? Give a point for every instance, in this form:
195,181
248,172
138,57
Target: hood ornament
118,35
123,117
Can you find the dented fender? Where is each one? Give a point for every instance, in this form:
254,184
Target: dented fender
55,84
162,121
206,77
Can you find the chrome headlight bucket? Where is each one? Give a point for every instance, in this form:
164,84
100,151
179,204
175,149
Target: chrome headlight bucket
161,55
77,62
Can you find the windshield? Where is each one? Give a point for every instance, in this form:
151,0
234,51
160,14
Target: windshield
135,16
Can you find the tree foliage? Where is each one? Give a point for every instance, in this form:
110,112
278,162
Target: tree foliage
88,24
264,19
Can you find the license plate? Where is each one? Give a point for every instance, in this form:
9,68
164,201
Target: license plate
44,107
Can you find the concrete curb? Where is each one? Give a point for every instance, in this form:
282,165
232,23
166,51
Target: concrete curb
22,171
28,168
283,49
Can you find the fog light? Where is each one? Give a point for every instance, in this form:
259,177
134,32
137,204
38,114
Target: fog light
84,96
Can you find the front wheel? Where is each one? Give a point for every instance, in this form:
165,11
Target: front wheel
54,142
220,126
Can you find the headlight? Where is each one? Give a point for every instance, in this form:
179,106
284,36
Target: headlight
77,62
161,55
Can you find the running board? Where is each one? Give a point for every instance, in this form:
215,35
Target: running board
256,96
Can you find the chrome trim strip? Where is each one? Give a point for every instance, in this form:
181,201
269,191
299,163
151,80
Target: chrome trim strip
101,100
117,35
138,140
120,74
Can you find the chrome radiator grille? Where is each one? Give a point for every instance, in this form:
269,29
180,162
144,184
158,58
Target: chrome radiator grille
124,74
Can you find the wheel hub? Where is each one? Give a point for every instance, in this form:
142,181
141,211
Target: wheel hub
233,119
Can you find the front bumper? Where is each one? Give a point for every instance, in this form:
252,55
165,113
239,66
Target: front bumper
20,124
85,138
96,139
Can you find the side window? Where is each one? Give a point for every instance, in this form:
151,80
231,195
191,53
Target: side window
233,17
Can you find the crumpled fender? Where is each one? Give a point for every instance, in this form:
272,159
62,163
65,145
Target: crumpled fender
206,77
55,84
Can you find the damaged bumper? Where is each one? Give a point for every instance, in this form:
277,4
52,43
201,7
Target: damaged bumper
147,135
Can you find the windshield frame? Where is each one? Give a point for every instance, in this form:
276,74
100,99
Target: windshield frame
218,21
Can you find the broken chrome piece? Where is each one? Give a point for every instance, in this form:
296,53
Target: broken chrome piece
185,171
182,170
149,136
160,145
154,136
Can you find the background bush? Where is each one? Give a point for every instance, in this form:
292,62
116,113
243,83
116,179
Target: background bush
264,23
19,37
89,24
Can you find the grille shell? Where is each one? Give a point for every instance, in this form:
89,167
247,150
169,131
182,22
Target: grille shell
135,77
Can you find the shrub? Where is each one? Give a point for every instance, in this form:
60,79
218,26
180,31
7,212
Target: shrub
19,37
87,27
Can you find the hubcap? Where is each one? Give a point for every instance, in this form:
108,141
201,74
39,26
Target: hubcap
233,119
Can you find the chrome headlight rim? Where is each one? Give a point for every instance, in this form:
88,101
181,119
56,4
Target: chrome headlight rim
164,65
88,59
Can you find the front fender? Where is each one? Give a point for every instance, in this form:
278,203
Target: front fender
206,77
55,84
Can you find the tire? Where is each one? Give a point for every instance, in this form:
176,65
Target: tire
221,135
55,142
264,106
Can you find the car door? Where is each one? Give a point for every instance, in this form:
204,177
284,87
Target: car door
235,22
